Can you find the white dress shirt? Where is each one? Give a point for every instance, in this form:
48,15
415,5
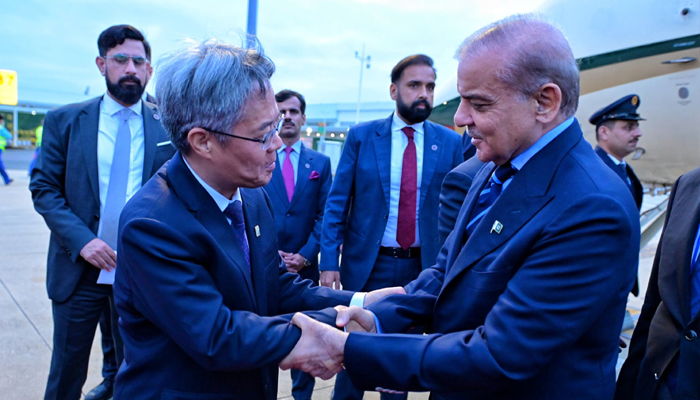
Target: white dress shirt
399,141
106,137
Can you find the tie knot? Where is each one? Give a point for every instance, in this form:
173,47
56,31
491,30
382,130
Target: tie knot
234,212
125,113
288,149
408,131
503,173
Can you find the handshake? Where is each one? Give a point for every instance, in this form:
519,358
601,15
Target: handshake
321,349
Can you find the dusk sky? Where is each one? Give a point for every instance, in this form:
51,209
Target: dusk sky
53,44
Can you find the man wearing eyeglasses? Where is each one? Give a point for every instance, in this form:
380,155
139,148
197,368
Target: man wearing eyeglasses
95,156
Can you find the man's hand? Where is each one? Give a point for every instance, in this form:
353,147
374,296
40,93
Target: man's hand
99,254
355,319
319,351
295,262
329,278
379,294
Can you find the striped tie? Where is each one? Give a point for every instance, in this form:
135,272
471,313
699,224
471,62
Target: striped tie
489,195
234,212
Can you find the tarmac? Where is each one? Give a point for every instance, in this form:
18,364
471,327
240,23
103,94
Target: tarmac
26,326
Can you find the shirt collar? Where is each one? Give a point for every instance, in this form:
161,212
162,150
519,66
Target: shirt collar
615,160
111,107
221,201
519,162
296,146
397,124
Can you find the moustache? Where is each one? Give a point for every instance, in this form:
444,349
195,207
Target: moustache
418,102
129,78
474,133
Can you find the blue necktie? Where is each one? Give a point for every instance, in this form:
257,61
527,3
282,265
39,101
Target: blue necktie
234,212
625,175
489,195
118,180
695,279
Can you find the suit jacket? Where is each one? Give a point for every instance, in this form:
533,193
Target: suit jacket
195,318
635,188
65,185
454,189
358,204
665,325
299,223
532,312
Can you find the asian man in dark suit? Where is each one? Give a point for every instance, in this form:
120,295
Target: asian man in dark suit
298,191
522,303
384,202
199,280
664,357
95,156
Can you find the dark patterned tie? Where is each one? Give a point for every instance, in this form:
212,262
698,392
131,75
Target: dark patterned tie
406,224
490,193
234,212
625,175
695,280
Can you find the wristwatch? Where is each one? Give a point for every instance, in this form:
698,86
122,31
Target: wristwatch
307,263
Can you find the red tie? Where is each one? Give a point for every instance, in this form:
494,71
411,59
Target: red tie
406,226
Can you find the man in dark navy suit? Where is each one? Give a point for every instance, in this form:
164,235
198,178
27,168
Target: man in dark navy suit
298,191
200,282
384,202
617,133
522,303
95,156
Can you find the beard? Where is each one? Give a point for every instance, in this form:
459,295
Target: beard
127,94
412,114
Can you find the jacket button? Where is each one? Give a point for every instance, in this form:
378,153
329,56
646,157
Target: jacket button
690,335
289,215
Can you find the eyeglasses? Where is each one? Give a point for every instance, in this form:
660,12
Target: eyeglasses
266,140
123,59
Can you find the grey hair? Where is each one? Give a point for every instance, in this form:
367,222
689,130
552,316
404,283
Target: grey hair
535,53
206,85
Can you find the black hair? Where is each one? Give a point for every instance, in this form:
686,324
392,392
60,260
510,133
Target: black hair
116,35
416,59
287,94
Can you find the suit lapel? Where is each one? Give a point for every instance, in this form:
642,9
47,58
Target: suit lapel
89,132
681,236
278,183
382,152
432,147
200,203
524,197
303,173
150,139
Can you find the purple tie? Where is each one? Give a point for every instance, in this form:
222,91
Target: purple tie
288,173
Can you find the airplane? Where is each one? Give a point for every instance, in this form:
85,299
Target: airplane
646,47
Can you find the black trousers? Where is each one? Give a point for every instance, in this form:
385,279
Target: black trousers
75,322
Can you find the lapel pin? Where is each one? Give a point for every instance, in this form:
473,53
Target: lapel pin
497,227
307,165
434,147
156,117
257,230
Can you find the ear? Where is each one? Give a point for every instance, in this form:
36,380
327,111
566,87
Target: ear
303,119
603,133
149,69
100,61
393,91
548,99
201,142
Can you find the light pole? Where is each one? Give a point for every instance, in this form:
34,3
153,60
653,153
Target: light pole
252,28
362,59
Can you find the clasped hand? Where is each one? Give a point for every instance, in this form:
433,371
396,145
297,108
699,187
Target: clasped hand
321,349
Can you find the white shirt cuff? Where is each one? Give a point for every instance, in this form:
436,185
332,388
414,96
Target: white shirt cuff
358,299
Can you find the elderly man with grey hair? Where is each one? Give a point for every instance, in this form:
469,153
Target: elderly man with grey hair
199,281
528,294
